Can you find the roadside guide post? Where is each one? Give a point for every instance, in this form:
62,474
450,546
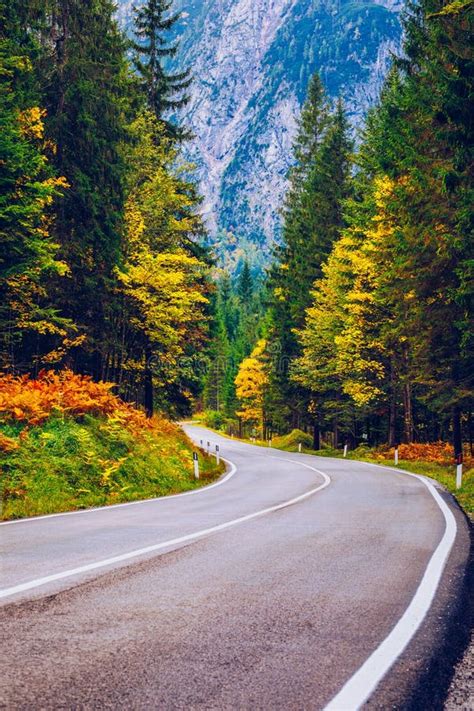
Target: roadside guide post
396,455
196,465
459,471
218,457
345,450
299,448
208,447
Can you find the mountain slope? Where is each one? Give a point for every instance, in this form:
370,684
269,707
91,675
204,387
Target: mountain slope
252,60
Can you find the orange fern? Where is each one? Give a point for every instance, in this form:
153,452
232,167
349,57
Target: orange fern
34,400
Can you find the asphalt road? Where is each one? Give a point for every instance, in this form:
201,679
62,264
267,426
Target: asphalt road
296,583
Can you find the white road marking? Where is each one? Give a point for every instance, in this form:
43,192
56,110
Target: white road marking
365,681
112,507
38,582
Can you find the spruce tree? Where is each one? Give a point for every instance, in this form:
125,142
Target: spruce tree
245,286
165,92
88,88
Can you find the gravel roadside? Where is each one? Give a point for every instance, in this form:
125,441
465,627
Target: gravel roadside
461,691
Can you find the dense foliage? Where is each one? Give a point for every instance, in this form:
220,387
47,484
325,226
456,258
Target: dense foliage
100,265
370,334
67,442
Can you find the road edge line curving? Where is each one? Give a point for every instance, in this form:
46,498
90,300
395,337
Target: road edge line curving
360,687
112,507
39,582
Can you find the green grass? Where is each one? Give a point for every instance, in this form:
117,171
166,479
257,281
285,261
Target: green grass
64,465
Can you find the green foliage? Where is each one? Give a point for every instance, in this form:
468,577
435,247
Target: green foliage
320,183
100,262
238,321
291,441
66,464
390,327
164,91
87,90
28,186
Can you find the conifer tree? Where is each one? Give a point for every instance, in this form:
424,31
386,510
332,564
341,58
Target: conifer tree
165,92
390,325
87,92
245,287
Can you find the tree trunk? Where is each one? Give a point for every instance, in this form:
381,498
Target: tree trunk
392,422
148,382
408,413
457,434
336,433
316,435
469,420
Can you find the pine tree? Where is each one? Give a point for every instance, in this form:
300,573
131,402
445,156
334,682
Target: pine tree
165,91
390,322
245,287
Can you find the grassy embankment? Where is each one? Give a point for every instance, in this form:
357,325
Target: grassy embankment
67,443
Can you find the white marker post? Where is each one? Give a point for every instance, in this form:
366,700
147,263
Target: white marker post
459,471
218,457
208,447
196,465
270,442
396,456
299,448
345,450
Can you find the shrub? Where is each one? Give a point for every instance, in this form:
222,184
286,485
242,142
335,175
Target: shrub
293,439
439,452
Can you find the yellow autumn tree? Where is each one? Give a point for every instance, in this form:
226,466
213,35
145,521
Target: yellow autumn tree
162,284
251,383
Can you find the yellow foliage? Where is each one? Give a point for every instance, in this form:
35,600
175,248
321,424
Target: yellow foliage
251,382
31,122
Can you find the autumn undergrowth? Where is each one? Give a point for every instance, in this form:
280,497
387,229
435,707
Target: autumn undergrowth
74,460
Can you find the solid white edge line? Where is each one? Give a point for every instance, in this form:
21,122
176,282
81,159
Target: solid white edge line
38,582
113,507
364,682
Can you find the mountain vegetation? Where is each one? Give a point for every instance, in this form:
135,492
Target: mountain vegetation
368,333
359,332
101,265
102,272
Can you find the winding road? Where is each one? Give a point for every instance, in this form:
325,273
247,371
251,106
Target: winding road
295,582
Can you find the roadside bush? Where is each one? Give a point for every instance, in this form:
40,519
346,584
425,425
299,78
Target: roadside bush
293,439
214,419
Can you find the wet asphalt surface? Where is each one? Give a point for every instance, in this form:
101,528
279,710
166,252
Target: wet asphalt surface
274,613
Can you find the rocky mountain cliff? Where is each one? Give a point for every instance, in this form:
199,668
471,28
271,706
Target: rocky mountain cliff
251,61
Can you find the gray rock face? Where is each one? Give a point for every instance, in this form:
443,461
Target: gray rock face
252,60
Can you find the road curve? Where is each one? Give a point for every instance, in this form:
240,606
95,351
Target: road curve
285,587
